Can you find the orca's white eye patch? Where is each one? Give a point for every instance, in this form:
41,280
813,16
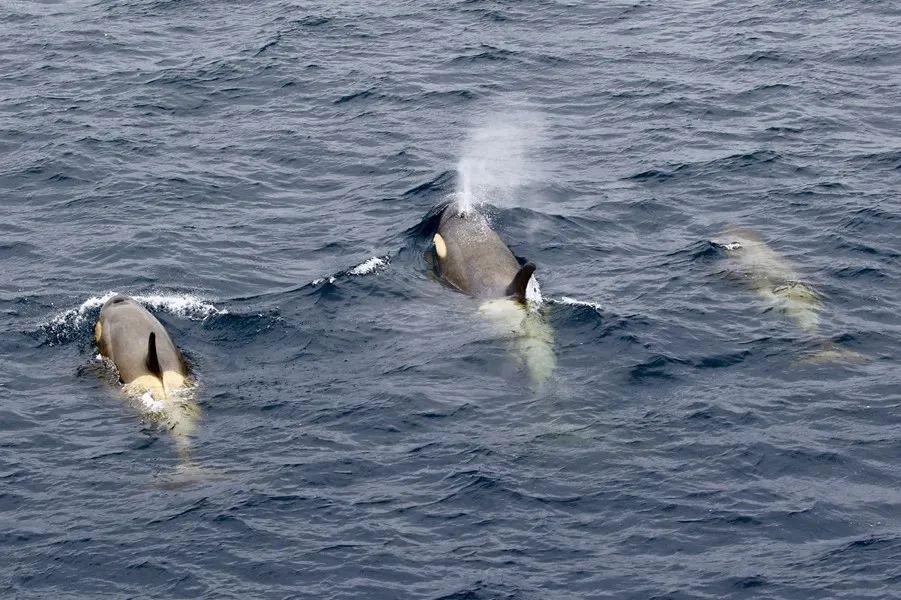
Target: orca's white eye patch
98,331
440,246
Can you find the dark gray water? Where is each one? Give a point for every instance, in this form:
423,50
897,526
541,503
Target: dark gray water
366,433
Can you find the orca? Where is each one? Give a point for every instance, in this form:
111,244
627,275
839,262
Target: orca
142,350
474,259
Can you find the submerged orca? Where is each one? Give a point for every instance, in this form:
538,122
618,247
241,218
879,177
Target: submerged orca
777,282
474,259
773,278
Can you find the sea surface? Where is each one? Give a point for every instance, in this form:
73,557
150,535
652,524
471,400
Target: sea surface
263,176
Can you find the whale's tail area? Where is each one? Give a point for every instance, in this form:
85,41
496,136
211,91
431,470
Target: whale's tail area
517,287
831,353
187,474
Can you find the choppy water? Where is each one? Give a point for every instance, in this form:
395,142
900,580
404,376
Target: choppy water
259,174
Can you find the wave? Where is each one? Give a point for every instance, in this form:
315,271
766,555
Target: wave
61,327
367,267
485,53
440,184
573,302
698,251
749,163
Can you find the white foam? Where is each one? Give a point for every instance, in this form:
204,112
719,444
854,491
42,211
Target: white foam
574,302
370,265
75,316
150,404
533,291
185,305
728,245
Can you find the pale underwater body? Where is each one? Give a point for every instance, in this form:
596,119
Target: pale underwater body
176,412
530,336
773,278
171,408
798,301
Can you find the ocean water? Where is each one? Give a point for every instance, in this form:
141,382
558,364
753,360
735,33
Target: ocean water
263,177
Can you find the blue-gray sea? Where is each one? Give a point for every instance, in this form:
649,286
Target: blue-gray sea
263,177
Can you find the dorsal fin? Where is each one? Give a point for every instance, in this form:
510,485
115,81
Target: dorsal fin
517,287
153,361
